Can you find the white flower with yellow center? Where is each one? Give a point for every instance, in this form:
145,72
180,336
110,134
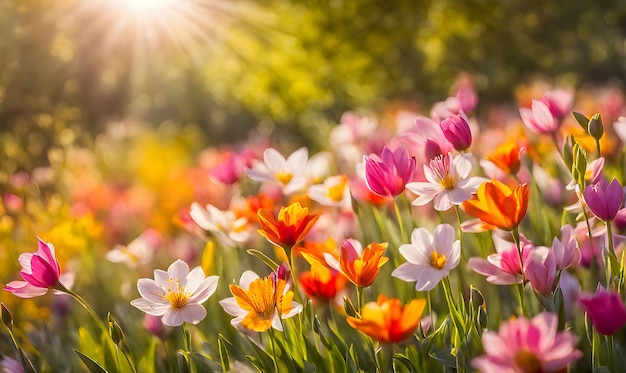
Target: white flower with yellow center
333,192
429,257
228,229
289,173
176,295
447,182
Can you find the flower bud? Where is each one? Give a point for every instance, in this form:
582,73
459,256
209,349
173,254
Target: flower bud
457,131
595,126
115,331
7,318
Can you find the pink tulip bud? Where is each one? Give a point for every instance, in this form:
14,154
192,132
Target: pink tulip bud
457,131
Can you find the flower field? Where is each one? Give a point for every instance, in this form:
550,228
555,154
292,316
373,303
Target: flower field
413,242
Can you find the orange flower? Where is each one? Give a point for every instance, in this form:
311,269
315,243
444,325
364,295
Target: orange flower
322,283
387,320
360,266
291,226
314,251
497,205
507,157
252,204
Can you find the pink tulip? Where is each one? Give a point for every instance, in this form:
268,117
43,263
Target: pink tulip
524,345
566,250
40,270
388,174
457,131
538,118
559,102
604,199
540,270
605,310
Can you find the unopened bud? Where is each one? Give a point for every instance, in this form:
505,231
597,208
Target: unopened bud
596,127
349,307
7,318
115,331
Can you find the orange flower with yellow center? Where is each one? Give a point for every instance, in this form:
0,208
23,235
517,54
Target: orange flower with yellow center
290,227
507,157
498,205
387,321
262,305
322,283
360,266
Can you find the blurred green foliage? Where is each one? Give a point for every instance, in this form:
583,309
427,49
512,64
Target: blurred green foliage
284,66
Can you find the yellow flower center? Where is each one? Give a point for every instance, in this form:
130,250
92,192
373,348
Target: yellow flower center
447,182
528,361
335,192
176,294
284,177
437,260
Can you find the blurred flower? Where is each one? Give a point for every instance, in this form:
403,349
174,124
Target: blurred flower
289,174
11,365
228,229
496,204
620,129
524,345
138,251
176,295
289,228
503,268
432,149
538,118
334,191
40,270
570,287
360,266
388,174
314,251
566,250
447,182
604,199
260,303
230,169
321,283
605,309
444,109
420,141
466,96
457,131
387,320
248,208
507,157
429,257
593,174
541,270
154,325
559,102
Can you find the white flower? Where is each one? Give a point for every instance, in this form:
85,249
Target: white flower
176,295
289,174
333,192
448,182
229,229
429,257
139,251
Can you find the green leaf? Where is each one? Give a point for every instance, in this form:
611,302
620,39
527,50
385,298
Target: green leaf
26,363
264,258
183,362
444,358
90,363
581,119
224,358
147,362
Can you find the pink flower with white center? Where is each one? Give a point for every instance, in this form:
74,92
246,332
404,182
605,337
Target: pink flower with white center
387,174
228,229
176,295
40,271
566,250
541,270
503,268
289,173
538,118
524,345
429,257
447,182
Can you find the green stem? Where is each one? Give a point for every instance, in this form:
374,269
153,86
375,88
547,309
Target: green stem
520,287
359,298
611,350
461,266
598,148
84,304
403,236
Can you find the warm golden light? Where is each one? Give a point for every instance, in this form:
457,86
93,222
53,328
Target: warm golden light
148,6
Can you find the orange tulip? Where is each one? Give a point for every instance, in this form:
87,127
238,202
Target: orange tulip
387,320
497,205
291,226
507,157
322,283
360,266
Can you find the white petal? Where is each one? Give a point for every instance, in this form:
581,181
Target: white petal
191,313
407,272
462,165
274,160
429,278
414,254
297,161
332,262
443,237
296,308
150,308
161,277
151,291
442,202
205,290
179,271
457,196
194,279
421,238
231,307
247,278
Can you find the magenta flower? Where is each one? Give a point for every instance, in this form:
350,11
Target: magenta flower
230,169
524,345
457,131
604,199
538,118
40,270
605,310
466,96
388,174
503,268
